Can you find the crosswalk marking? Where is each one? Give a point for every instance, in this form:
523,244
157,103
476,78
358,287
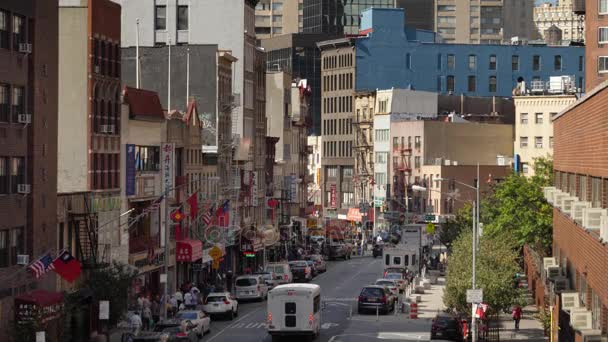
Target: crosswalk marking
251,325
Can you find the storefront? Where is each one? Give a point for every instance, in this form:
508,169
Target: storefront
42,308
150,267
187,253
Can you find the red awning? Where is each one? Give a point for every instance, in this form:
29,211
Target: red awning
188,250
41,297
39,305
354,215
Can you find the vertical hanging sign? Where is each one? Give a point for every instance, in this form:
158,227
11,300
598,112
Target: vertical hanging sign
130,170
333,194
167,151
254,188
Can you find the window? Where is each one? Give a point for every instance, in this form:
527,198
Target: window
525,168
277,18
316,306
17,243
347,172
439,83
17,173
380,178
492,62
161,18
439,62
602,7
602,64
523,142
4,243
557,62
550,142
348,198
472,83
382,106
18,102
536,63
514,62
277,30
4,103
277,6
4,31
18,31
4,175
472,62
538,118
448,8
582,190
602,35
417,162
382,135
596,191
450,84
451,62
492,84
147,158
538,142
523,119
581,63
417,142
182,17
332,171
408,61
381,157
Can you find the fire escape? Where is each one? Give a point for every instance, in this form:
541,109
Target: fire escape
402,154
363,156
83,224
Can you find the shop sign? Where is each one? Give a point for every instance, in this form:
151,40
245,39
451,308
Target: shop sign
254,188
333,193
104,204
29,311
130,170
293,189
311,223
167,156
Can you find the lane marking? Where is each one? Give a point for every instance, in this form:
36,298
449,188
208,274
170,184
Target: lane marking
230,325
329,325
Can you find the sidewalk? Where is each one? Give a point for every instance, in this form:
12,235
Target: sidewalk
432,300
530,329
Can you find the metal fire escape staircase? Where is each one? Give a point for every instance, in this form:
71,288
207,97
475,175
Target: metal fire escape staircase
88,250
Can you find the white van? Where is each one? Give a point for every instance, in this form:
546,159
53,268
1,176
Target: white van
281,270
251,287
294,309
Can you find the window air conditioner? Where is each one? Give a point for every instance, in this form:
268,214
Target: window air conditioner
24,118
25,47
594,335
567,204
570,300
24,188
604,228
560,284
109,128
548,193
23,259
549,262
558,199
581,319
577,210
553,272
591,217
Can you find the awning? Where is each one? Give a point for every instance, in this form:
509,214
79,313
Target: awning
188,250
38,305
354,215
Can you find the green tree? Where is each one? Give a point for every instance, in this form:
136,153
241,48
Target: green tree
517,206
453,227
496,267
112,283
543,171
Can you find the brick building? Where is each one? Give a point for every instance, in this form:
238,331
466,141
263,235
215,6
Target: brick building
28,136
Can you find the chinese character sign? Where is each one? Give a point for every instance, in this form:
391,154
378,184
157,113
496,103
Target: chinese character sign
333,194
254,189
167,156
130,170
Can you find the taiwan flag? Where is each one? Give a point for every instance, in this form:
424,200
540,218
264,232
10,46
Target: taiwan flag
67,266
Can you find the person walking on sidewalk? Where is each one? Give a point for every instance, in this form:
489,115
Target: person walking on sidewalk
516,314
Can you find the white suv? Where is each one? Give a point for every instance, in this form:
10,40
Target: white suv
251,287
221,303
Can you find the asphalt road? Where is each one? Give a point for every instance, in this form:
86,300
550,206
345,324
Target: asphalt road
340,285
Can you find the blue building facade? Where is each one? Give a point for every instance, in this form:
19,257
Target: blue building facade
390,56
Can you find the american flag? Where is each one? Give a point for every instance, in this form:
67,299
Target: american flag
207,215
42,265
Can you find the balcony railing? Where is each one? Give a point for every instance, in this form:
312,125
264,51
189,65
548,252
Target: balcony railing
138,244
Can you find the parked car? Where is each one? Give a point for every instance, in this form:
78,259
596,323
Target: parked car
300,270
391,284
338,250
399,278
251,287
312,266
374,297
317,239
221,303
447,327
198,318
377,250
269,278
320,264
170,330
282,272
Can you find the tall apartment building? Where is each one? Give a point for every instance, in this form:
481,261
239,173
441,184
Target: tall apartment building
363,126
484,22
315,145
561,16
28,135
336,16
534,126
277,17
338,82
89,132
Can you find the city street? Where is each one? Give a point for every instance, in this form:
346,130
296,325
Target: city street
340,285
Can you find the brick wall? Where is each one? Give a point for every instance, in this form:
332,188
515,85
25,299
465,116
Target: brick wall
592,48
532,267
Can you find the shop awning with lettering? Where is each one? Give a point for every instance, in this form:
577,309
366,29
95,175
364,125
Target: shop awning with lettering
39,305
189,250
354,215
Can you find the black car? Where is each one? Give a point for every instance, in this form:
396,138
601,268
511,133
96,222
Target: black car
375,298
446,327
300,270
377,251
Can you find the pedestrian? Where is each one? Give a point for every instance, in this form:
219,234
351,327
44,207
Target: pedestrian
172,305
156,309
147,317
516,314
188,301
180,297
136,323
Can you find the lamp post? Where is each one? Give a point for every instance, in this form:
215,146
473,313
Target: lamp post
475,241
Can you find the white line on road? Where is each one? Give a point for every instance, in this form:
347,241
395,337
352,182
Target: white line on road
229,326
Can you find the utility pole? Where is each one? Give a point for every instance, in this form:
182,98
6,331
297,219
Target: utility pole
474,272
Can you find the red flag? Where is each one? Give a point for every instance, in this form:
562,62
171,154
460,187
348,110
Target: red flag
193,202
67,266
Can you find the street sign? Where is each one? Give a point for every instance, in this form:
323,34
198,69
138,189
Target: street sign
215,253
197,267
430,228
474,296
177,216
163,278
429,218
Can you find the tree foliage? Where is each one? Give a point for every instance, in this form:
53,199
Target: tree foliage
496,267
518,207
112,283
453,227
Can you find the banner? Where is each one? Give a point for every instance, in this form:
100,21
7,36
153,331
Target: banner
293,189
208,131
333,199
254,188
130,170
167,154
